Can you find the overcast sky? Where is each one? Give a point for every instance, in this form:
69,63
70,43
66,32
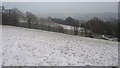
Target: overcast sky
63,7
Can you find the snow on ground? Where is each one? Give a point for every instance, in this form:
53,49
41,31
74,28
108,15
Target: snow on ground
69,27
66,26
30,47
0,46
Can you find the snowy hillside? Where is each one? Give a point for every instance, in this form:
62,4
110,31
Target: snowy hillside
30,47
0,45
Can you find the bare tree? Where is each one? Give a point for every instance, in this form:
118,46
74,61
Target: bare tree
31,19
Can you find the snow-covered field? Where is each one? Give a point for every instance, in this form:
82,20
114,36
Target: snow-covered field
30,47
0,45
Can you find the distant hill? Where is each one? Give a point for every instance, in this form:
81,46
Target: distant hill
108,16
103,16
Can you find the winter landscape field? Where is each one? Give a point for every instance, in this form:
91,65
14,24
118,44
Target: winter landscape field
0,45
31,47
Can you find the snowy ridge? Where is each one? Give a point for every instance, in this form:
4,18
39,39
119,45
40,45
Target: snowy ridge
30,47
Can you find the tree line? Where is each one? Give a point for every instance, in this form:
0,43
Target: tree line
91,27
16,17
